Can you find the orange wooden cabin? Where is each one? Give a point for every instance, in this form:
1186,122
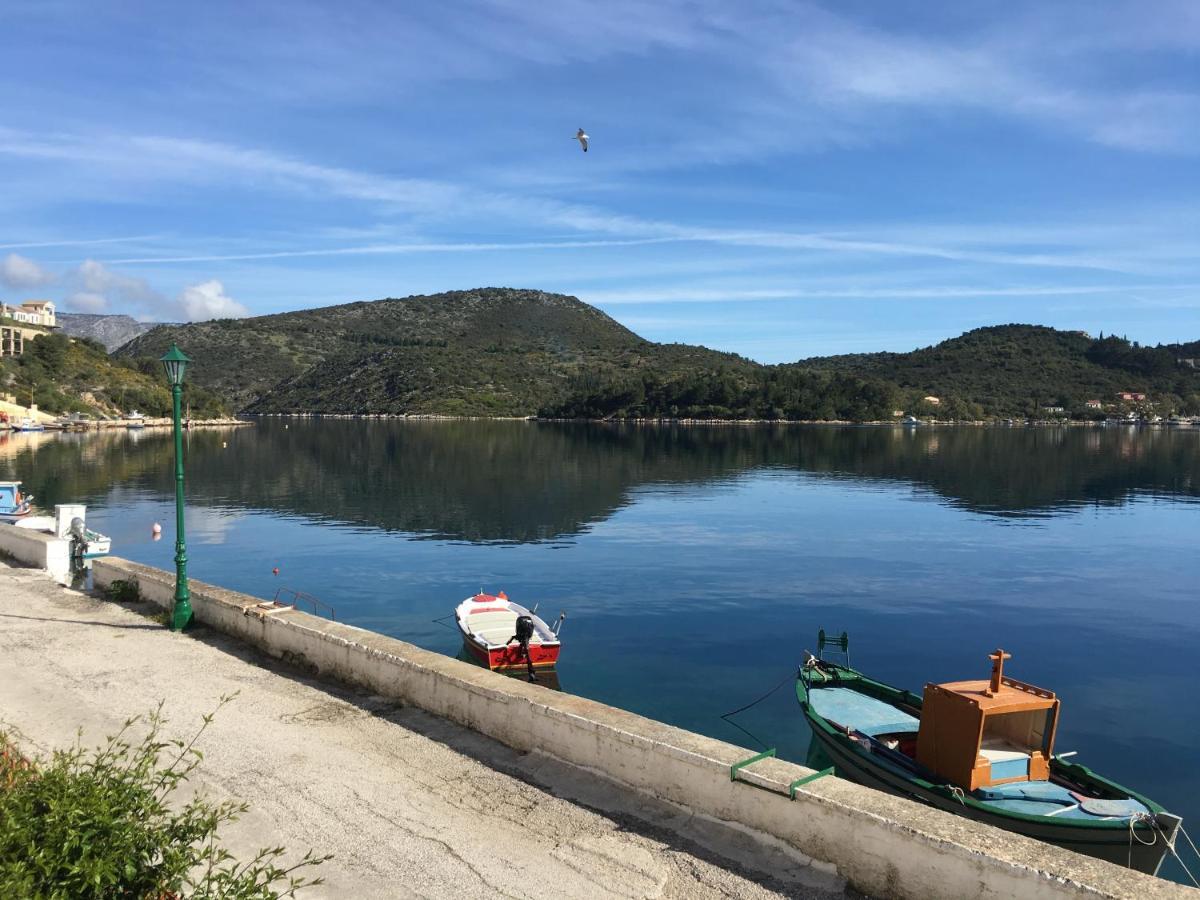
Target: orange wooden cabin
980,733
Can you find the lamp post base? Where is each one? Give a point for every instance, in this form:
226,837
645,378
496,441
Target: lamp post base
181,615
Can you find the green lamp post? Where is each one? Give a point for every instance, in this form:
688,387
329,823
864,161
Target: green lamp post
174,362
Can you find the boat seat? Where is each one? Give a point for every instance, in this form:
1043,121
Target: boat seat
1007,760
849,708
497,627
1045,798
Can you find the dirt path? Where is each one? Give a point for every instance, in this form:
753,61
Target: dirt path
411,805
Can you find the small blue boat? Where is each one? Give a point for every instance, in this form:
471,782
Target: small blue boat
13,505
27,424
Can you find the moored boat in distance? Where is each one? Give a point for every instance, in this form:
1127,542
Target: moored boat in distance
27,424
502,634
980,749
13,505
135,420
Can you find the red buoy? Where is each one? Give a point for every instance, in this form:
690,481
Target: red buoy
275,571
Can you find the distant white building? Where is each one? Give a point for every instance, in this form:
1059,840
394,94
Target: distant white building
31,312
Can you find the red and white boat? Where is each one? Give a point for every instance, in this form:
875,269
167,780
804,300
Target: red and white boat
490,633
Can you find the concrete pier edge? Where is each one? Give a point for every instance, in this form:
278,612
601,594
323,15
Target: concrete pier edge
884,846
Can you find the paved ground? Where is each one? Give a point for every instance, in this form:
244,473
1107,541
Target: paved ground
411,805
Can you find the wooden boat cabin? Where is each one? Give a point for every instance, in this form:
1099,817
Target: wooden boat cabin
976,734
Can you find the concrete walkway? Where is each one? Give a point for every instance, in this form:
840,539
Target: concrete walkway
409,804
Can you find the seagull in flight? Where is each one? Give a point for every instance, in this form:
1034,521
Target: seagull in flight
582,137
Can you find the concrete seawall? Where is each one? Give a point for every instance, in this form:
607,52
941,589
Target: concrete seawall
885,846
38,549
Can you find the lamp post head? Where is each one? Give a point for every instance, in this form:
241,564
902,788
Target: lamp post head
174,362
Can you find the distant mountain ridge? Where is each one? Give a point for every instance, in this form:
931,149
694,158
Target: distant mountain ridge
510,352
110,330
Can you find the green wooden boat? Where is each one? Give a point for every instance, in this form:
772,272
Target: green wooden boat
995,743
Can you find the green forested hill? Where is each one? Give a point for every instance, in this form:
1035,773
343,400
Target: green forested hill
491,351
426,342
1016,370
64,375
506,352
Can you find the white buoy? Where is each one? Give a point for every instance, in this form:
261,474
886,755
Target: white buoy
223,445
157,529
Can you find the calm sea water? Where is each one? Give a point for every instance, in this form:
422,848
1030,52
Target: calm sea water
696,564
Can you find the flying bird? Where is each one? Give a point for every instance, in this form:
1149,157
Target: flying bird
582,137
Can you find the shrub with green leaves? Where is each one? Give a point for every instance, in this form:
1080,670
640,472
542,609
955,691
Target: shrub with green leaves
105,822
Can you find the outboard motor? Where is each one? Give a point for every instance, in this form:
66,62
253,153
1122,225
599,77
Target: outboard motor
522,637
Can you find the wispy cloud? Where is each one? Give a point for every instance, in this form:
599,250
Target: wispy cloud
142,157
930,292
31,245
398,250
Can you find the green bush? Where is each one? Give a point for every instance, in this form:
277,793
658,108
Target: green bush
124,591
101,823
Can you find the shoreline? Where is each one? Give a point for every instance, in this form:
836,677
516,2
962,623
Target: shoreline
108,424
875,423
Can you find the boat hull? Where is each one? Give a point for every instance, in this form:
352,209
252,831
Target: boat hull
499,659
1111,844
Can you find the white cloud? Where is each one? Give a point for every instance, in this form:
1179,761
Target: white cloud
97,279
98,288
208,300
19,272
86,302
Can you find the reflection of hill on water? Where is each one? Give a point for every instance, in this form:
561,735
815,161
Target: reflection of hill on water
513,481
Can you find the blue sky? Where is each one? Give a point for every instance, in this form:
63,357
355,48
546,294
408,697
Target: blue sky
777,179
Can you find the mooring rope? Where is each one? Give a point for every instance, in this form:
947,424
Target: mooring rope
442,621
753,736
1175,853
1132,823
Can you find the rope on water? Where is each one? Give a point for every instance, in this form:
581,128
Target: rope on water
1175,853
442,621
751,735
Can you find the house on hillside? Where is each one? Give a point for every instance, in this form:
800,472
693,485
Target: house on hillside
1094,404
1131,396
31,312
933,401
21,324
1053,409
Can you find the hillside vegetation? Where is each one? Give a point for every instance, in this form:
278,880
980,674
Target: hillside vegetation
62,375
488,352
1018,370
507,352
